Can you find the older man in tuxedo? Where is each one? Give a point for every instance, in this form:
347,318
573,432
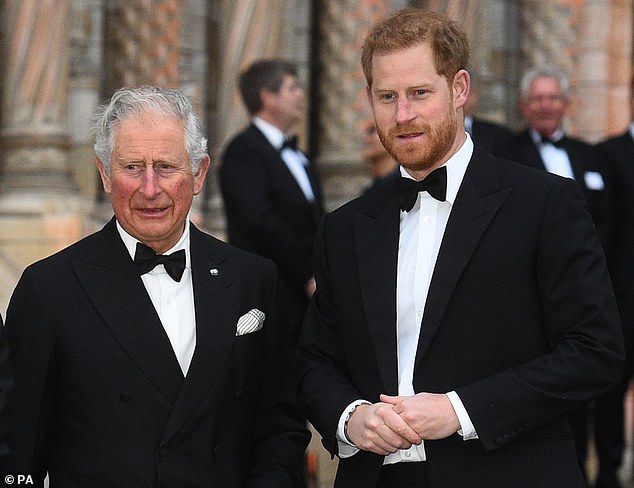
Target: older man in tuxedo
544,102
460,310
150,354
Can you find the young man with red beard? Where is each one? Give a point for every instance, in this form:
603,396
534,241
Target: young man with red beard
462,309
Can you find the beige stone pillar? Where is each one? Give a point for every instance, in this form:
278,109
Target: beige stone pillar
341,86
142,43
39,205
238,36
34,134
605,67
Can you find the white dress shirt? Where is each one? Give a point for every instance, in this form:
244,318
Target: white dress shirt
173,300
295,161
421,232
555,159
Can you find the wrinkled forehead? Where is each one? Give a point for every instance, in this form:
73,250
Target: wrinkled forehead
149,151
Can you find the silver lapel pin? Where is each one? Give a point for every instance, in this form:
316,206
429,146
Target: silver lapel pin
213,272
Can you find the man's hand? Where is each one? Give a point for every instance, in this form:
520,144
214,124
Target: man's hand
379,429
310,287
430,415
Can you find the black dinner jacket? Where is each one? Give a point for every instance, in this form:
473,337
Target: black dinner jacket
100,399
493,138
519,321
266,210
584,158
618,152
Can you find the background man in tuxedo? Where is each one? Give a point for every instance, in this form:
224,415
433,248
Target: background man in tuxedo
130,373
271,192
382,165
544,101
455,323
618,153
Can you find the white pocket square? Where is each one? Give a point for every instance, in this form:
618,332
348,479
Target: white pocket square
252,321
594,180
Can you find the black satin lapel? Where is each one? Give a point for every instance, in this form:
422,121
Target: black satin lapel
377,250
116,290
468,221
216,302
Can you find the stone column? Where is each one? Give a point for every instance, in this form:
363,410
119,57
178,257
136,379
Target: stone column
142,43
237,37
342,101
34,134
605,67
86,65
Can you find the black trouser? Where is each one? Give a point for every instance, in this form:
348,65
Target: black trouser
404,475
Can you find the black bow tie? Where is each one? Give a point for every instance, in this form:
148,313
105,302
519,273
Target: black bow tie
146,260
289,142
435,184
557,143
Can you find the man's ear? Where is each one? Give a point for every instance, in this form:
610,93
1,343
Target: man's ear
461,86
265,97
199,178
105,175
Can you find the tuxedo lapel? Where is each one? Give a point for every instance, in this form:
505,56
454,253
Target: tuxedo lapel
216,303
527,151
116,290
280,168
478,200
377,233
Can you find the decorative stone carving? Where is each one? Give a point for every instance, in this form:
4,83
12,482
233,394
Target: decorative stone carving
144,45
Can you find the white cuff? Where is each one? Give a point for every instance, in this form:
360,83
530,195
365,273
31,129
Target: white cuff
346,448
467,430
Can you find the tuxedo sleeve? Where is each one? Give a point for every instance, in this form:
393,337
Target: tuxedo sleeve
29,413
326,388
578,319
6,387
280,433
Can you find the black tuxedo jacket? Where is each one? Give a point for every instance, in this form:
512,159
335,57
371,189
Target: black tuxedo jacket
100,399
520,321
585,160
493,138
618,152
266,210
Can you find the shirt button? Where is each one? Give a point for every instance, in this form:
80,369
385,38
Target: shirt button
426,219
408,454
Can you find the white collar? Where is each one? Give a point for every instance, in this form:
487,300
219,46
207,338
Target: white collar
272,133
537,138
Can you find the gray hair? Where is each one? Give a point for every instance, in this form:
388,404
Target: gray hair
131,102
544,72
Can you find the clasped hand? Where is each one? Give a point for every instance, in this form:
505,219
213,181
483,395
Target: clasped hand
398,422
